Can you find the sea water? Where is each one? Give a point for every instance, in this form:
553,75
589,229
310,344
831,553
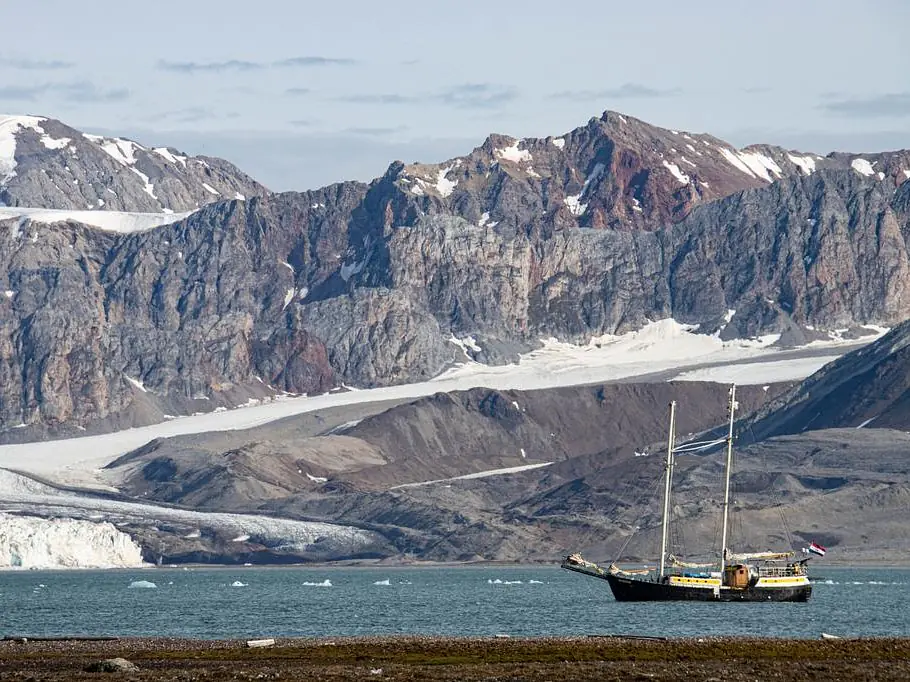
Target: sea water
247,602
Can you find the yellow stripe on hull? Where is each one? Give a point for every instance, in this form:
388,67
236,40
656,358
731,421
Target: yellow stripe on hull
694,582
794,581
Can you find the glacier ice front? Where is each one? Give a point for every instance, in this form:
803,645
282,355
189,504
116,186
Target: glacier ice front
31,542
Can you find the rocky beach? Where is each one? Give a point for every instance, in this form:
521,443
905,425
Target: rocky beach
438,658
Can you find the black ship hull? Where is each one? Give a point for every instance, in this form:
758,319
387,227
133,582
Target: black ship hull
632,589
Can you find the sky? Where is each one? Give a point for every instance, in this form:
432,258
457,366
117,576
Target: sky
300,94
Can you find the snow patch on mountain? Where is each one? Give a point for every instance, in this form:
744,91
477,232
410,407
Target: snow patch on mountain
751,163
762,166
149,188
805,163
167,155
478,474
862,166
573,202
110,221
31,542
9,126
678,174
443,186
120,150
513,153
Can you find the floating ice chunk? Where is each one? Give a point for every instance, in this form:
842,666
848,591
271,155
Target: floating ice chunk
237,583
142,584
324,583
382,582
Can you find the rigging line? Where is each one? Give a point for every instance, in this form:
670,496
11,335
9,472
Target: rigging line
777,495
635,529
697,447
628,484
694,443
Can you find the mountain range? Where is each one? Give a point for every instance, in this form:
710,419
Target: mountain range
594,232
197,289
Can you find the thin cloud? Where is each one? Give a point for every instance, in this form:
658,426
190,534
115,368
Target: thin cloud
243,65
35,64
313,61
382,98
209,67
373,132
302,123
477,96
888,105
467,96
89,92
21,93
624,91
297,92
79,92
187,115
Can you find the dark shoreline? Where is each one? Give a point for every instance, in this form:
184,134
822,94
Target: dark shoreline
467,658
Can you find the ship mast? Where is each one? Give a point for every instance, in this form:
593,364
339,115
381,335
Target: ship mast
723,550
666,515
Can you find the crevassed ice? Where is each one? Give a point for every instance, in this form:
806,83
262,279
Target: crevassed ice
30,542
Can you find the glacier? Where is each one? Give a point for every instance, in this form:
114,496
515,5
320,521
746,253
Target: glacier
31,542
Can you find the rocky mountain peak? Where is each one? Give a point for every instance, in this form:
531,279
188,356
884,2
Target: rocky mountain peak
47,164
616,172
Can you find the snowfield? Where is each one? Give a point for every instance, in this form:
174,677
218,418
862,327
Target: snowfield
110,221
658,349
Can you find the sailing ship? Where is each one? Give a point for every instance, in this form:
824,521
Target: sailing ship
762,576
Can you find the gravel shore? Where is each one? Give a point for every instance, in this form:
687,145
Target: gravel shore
444,658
